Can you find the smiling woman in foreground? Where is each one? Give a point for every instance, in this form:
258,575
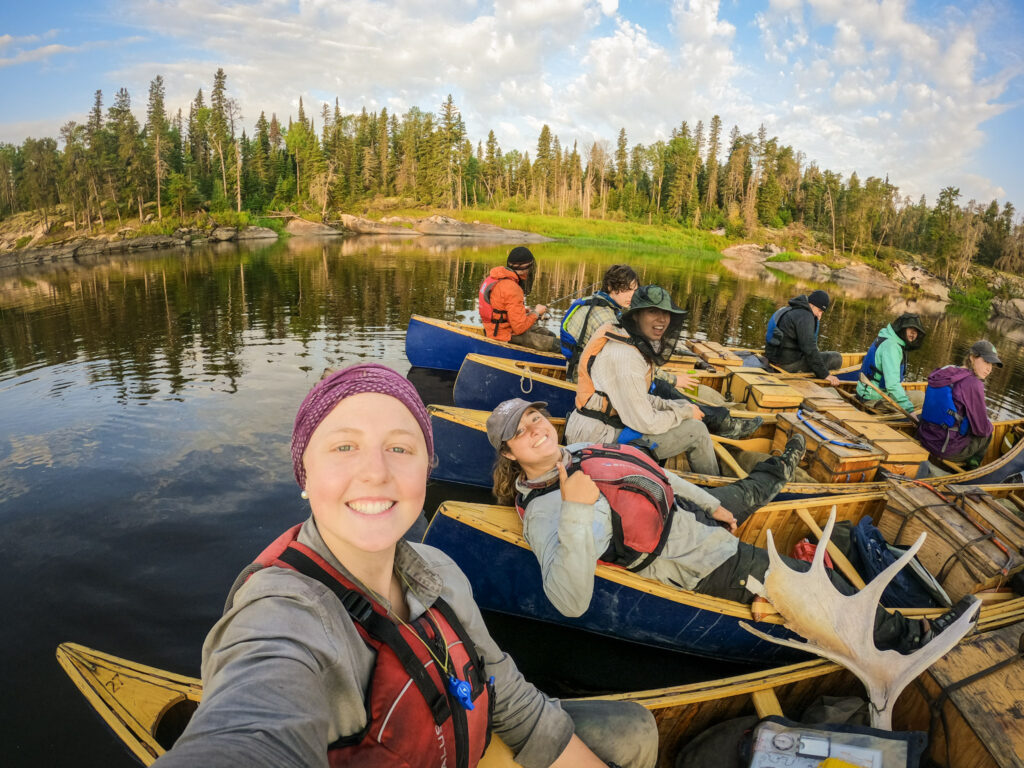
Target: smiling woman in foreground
344,644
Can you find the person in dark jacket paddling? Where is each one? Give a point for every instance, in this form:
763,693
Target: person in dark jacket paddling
344,644
791,342
503,307
954,420
570,526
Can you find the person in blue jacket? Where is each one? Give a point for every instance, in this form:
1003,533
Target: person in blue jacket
885,364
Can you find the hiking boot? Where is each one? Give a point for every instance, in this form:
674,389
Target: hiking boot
946,620
793,453
736,428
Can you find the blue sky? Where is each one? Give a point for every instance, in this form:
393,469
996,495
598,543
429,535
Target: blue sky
929,93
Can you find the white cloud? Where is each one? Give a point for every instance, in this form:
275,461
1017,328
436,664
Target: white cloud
855,84
901,96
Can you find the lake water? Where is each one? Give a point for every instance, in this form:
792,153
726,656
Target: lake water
146,404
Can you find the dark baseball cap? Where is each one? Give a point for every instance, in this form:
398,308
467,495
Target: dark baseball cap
986,352
504,420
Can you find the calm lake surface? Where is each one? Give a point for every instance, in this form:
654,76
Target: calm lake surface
146,405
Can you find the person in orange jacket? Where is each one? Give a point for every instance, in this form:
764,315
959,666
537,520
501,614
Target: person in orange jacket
503,307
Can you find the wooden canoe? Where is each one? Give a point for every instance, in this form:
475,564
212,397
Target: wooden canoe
487,544
147,708
485,380
465,456
444,344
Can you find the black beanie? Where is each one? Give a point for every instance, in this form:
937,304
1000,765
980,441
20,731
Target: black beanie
520,256
818,299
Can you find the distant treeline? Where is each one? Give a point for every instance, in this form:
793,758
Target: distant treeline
110,165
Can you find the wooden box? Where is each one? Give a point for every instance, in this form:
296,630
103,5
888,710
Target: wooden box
973,542
827,462
713,353
901,454
762,392
815,392
845,413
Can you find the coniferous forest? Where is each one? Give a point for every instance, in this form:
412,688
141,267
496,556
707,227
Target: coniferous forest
704,176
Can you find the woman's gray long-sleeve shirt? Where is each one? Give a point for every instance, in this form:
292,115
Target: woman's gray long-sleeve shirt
569,537
285,672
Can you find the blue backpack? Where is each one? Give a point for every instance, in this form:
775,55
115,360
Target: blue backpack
570,346
940,408
771,338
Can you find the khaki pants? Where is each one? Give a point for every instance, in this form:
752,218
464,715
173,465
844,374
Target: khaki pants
537,338
692,438
620,732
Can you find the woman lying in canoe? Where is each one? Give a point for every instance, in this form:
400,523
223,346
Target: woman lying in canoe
343,644
659,526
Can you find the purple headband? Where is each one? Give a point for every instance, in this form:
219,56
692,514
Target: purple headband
365,377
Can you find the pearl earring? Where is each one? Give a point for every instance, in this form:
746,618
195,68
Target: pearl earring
304,494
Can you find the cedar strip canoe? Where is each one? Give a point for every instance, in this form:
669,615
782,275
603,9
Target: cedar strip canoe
465,456
486,542
147,708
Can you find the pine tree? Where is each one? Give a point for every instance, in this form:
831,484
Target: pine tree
156,135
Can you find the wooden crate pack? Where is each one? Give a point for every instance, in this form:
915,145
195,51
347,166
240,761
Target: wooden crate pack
762,392
828,462
973,541
901,454
713,353
814,392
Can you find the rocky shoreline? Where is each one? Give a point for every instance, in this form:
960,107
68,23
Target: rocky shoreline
126,240
855,279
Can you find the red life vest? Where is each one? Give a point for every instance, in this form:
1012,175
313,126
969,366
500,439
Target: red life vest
585,389
488,314
413,718
640,496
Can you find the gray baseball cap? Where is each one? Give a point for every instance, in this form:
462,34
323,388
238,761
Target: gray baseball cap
986,352
504,420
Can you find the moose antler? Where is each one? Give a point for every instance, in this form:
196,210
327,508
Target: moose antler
841,627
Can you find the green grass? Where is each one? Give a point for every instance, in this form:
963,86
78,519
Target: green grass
810,257
975,299
21,242
603,232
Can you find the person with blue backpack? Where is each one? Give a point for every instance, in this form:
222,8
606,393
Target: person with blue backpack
791,341
885,364
586,315
954,421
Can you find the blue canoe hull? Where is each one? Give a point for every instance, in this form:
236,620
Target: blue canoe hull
482,387
506,579
465,456
431,343
462,453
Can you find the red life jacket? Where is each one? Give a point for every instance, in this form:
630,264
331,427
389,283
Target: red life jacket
488,314
413,718
585,389
640,496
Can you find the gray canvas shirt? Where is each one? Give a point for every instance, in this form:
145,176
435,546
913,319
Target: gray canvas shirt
569,537
285,673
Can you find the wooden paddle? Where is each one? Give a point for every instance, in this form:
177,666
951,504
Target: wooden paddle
885,396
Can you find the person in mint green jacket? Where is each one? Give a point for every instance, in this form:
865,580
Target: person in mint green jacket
885,363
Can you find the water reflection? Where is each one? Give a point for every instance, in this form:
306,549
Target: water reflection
146,403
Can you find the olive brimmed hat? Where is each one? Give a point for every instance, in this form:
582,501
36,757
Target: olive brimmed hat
654,297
